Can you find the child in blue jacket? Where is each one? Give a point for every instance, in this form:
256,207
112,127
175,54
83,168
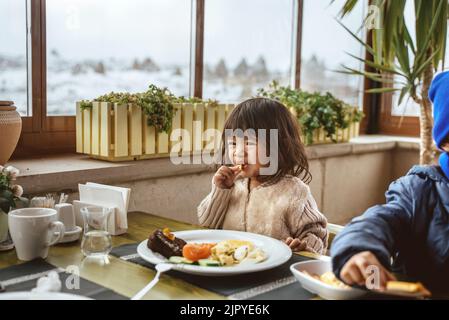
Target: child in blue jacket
410,233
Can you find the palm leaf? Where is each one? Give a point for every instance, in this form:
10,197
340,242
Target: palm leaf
395,50
382,90
404,91
363,43
424,35
347,7
377,66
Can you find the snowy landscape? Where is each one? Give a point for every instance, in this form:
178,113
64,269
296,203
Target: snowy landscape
69,80
151,51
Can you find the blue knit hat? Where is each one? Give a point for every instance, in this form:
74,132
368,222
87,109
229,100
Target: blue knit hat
439,95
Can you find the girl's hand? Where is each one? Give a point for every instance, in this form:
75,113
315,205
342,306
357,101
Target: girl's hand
225,176
295,244
356,271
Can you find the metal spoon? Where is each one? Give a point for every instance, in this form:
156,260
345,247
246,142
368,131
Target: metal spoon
160,268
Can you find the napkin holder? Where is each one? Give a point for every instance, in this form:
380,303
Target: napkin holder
113,225
102,195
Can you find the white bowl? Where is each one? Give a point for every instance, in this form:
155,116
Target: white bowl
318,287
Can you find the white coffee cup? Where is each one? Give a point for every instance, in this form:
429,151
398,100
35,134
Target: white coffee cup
33,231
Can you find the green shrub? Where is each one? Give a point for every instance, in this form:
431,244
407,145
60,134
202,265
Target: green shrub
314,110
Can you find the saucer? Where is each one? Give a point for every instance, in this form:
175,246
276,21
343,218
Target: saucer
72,235
6,245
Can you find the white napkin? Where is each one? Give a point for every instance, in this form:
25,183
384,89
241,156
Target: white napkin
48,283
108,196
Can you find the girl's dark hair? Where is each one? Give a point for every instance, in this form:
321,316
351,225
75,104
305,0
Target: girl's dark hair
263,113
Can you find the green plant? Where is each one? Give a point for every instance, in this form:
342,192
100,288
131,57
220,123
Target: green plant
314,110
403,61
156,103
182,99
10,194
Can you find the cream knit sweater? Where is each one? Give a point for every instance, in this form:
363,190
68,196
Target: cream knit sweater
281,210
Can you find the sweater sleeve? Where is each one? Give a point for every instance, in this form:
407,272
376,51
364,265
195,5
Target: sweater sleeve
308,224
212,210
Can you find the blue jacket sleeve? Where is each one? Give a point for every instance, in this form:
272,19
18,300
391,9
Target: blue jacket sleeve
379,230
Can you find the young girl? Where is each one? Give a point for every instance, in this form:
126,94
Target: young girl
278,205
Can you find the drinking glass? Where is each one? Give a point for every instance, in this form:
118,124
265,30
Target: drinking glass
96,241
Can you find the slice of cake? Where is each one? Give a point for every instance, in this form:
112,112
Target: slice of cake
165,243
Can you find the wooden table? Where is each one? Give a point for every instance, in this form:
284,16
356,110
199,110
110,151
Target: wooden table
124,277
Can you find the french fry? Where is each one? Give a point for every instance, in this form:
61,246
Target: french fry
408,287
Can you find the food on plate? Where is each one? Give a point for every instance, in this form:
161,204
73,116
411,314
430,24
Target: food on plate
408,287
197,251
328,278
223,253
165,243
230,252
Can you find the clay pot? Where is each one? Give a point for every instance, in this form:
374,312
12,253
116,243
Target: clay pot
10,128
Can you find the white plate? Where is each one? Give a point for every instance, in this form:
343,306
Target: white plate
28,295
318,287
277,252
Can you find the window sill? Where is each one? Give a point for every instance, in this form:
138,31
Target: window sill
64,172
363,144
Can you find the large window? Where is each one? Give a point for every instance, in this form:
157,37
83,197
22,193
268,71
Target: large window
13,54
56,52
325,46
94,47
246,45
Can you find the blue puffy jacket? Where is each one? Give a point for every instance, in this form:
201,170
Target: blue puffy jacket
409,234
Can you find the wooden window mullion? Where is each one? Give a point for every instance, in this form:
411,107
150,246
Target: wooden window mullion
197,49
297,42
37,33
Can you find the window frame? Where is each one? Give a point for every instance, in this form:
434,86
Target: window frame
396,125
44,134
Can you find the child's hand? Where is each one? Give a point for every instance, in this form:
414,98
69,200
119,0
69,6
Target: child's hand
355,271
225,176
295,244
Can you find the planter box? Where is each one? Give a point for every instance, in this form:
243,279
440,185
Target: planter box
342,135
116,132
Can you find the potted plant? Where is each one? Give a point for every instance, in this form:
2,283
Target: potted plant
316,112
10,197
134,126
405,59
156,103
